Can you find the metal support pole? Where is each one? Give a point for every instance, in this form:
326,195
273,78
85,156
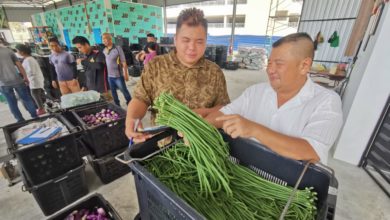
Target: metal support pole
165,18
233,28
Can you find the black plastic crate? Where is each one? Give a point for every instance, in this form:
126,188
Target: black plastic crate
107,168
231,65
47,160
210,53
57,193
105,138
221,55
82,147
156,201
90,202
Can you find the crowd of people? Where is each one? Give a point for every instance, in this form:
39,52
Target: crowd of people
105,71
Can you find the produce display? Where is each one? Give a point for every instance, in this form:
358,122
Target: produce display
85,214
201,173
102,117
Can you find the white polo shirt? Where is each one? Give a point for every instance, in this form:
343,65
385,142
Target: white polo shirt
314,114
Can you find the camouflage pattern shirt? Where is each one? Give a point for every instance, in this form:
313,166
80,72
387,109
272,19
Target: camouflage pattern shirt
202,85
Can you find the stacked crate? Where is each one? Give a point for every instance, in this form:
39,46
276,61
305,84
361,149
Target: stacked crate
104,141
52,171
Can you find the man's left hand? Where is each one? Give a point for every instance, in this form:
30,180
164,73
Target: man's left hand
202,112
78,61
237,126
26,81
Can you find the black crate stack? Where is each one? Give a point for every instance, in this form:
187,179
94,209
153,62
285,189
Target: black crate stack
104,141
216,54
52,171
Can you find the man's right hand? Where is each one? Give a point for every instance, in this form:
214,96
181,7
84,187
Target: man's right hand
54,84
131,132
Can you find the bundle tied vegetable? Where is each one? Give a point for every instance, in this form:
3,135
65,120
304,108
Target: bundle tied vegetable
207,180
209,162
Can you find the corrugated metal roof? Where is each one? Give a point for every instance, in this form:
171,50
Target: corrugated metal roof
329,16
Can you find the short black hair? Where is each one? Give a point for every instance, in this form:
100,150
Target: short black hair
23,48
54,39
150,35
80,40
294,38
151,45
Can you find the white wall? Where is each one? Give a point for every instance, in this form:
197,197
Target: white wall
256,16
366,95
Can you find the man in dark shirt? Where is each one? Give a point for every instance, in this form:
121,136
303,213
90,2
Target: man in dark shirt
94,64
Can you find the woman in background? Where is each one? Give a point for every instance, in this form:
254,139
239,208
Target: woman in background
151,47
34,75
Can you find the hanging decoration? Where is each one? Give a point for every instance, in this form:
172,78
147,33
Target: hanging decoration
334,39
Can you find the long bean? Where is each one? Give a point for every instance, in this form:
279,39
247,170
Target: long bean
203,176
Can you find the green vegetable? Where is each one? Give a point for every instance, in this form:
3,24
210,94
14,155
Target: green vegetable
203,176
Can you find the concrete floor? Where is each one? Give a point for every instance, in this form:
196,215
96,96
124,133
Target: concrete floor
358,196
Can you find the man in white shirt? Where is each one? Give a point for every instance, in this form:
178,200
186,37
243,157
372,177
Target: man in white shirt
290,114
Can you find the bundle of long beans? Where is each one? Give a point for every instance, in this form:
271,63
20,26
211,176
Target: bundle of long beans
203,176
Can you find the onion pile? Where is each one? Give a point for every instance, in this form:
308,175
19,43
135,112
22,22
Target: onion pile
85,214
102,117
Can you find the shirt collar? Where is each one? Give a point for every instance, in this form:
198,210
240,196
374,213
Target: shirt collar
305,93
109,50
176,61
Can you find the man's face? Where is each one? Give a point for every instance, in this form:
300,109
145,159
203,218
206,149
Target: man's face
55,47
107,41
150,39
285,70
84,49
190,42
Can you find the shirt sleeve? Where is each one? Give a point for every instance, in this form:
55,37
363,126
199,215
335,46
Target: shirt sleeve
144,88
121,54
27,67
238,105
324,125
71,58
13,57
222,97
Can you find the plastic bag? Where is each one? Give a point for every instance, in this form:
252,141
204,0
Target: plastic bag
79,98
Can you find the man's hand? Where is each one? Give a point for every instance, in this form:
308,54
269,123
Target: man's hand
26,81
237,126
132,133
75,82
54,84
78,61
202,112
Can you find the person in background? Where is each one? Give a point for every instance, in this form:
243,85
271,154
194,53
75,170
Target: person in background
116,68
65,68
150,38
290,114
184,72
151,47
94,64
11,81
34,75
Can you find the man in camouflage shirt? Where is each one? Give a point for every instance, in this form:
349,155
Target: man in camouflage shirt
184,72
